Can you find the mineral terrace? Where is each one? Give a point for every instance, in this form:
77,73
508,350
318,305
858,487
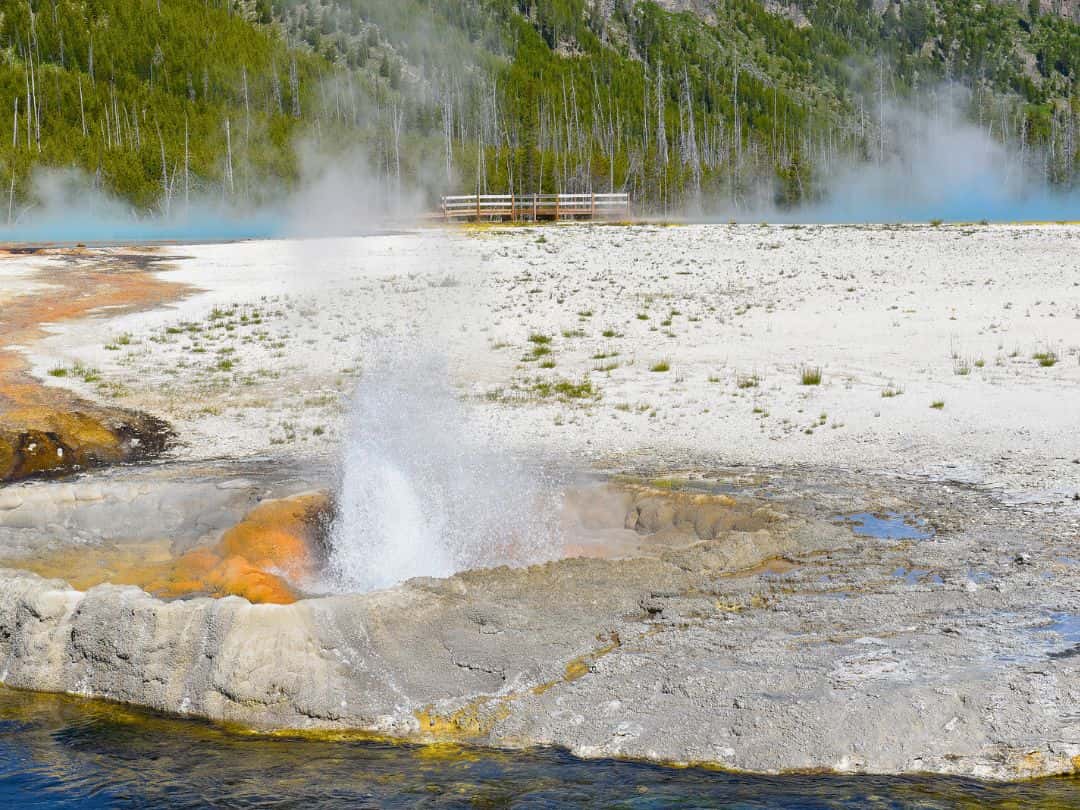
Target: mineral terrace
822,491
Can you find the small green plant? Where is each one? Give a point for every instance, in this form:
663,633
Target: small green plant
540,339
713,378
1046,358
573,333
565,389
610,333
962,367
225,364
661,366
318,431
810,375
936,222
59,371
604,355
891,390
747,381
585,313
540,351
548,363
980,363
643,316
937,404
87,373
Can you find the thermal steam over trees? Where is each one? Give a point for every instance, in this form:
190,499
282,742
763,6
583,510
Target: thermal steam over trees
160,101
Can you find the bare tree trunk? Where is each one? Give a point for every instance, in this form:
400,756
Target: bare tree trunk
164,171
228,157
294,88
247,108
187,168
82,109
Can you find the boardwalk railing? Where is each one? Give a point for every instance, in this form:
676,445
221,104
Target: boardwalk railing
536,206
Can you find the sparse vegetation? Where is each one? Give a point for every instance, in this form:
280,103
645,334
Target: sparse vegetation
1046,358
661,366
937,404
810,375
747,381
565,389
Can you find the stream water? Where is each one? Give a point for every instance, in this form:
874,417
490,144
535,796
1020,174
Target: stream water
65,752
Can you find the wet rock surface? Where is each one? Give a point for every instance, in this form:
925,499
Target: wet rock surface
54,444
750,628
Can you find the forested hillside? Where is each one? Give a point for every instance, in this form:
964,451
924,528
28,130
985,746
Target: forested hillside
162,101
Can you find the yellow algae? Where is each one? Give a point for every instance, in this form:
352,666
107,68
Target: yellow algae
472,721
578,668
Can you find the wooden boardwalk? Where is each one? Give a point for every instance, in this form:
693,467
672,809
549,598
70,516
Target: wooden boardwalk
535,207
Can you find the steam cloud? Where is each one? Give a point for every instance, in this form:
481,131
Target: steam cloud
338,194
938,164
935,164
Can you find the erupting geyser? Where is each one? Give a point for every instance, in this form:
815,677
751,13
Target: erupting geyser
424,493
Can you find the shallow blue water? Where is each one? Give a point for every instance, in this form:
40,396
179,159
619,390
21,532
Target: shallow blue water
887,525
58,752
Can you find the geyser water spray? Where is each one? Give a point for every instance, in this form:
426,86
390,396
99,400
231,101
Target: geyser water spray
424,492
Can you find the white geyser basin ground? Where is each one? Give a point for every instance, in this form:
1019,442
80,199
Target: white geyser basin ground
897,319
